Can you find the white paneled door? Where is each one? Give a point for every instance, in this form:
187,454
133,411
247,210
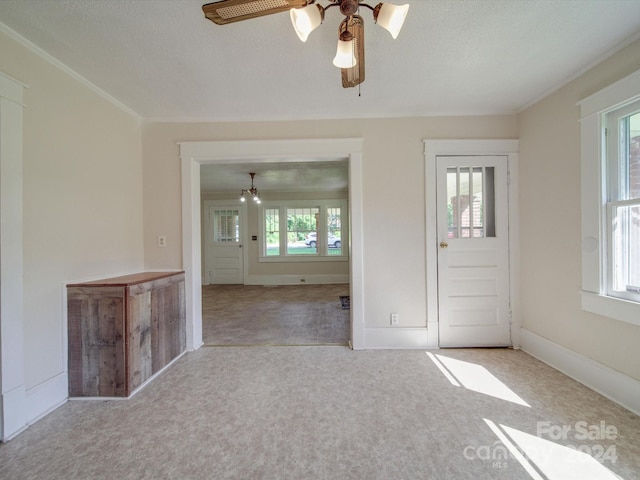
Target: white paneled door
223,244
473,251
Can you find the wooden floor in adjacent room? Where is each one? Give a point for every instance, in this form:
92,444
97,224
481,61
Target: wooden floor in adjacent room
275,315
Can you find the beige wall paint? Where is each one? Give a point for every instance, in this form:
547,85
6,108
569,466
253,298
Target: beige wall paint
394,199
550,224
82,198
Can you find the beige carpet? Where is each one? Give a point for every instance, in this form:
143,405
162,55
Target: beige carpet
331,413
282,315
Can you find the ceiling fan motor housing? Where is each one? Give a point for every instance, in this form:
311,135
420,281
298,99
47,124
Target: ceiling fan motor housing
348,7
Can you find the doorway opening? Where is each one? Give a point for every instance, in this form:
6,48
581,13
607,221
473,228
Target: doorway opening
274,270
195,154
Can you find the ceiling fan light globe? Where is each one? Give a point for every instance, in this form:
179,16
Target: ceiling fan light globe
305,20
344,55
391,17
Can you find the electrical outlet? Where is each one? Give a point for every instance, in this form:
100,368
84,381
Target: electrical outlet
162,241
395,319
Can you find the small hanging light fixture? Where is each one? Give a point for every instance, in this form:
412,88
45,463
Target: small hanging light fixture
253,191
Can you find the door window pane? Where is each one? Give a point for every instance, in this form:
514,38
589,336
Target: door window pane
226,226
471,202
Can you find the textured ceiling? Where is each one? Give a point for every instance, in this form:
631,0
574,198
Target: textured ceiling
164,60
309,176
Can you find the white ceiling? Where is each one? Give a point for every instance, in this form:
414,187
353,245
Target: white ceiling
299,176
163,60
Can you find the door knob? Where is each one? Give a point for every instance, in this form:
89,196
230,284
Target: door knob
444,244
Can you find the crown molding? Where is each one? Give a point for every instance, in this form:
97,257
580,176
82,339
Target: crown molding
32,47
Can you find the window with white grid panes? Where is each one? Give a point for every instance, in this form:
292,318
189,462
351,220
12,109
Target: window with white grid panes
302,224
334,231
303,230
272,231
623,201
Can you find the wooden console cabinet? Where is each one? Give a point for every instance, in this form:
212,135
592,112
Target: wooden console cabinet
122,330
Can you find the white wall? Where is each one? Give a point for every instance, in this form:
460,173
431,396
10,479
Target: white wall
82,178
550,213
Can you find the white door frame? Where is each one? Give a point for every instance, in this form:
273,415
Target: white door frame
433,149
195,154
14,413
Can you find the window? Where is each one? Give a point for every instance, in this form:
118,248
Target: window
610,151
272,232
302,224
305,230
623,201
334,230
471,202
226,226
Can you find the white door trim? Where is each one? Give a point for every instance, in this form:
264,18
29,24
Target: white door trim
195,154
14,412
433,149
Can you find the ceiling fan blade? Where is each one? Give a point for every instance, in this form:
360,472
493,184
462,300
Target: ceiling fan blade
229,11
355,75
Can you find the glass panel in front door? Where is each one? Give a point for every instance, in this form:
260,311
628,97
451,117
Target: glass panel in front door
226,226
471,202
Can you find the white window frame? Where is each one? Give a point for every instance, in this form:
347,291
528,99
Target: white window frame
594,178
322,254
616,198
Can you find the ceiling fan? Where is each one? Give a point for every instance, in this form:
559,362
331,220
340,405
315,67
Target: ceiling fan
306,15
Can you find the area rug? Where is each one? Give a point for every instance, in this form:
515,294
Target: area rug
345,301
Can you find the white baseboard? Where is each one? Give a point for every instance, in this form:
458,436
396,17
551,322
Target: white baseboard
14,413
396,338
615,386
295,279
45,397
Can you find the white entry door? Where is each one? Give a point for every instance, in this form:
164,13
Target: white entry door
473,251
223,244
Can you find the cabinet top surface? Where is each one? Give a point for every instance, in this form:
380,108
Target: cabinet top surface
126,280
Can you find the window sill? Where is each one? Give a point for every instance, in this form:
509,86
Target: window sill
611,307
304,258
